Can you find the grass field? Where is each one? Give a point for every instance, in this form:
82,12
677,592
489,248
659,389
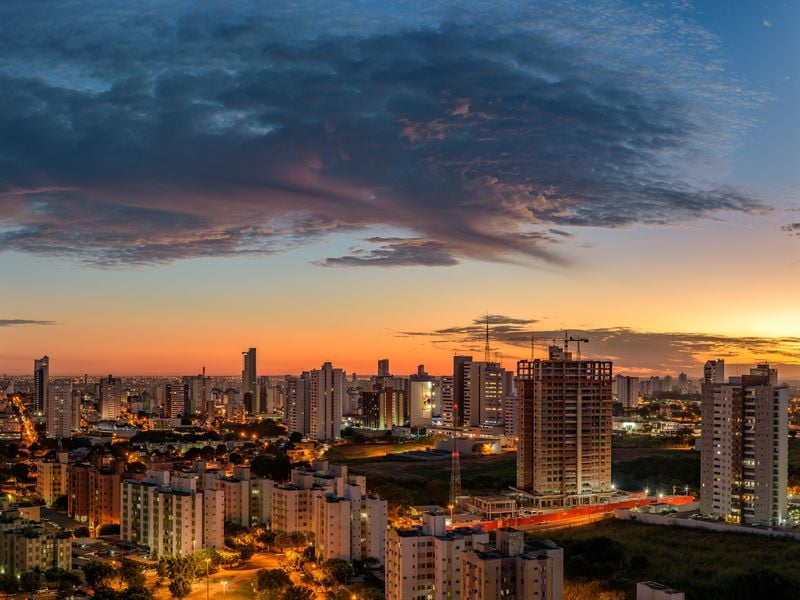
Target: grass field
705,565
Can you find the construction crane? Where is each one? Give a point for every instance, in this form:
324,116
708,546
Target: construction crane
568,338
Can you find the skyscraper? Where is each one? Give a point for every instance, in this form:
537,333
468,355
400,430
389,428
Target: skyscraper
59,409
298,411
41,380
327,389
483,394
460,383
110,398
744,448
420,400
564,452
176,399
383,368
249,371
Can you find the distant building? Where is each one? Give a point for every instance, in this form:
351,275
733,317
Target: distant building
59,409
249,374
110,398
298,411
744,460
176,400
513,568
328,387
41,381
714,371
383,368
247,499
420,401
564,449
483,394
627,391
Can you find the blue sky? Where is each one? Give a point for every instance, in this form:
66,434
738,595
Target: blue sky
297,171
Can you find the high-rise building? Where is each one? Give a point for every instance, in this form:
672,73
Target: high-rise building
513,568
249,375
446,393
420,400
627,391
110,398
461,373
59,409
298,411
176,400
564,451
483,394
383,368
200,393
41,382
714,371
744,448
328,387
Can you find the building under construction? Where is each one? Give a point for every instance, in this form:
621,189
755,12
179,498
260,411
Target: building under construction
564,451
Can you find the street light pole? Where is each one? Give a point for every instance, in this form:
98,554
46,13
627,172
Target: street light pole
208,563
224,586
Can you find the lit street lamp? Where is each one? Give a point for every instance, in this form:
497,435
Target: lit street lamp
224,587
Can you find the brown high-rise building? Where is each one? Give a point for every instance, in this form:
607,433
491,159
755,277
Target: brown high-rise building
93,495
564,451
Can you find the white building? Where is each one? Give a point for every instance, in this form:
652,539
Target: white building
627,391
425,562
744,439
110,398
59,409
328,387
51,478
420,401
169,515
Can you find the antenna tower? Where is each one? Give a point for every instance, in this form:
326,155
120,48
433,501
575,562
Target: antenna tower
486,352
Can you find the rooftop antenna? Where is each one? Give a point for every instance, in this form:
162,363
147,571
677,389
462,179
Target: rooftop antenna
455,475
487,358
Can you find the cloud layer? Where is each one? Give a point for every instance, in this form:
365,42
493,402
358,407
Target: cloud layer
631,350
15,322
148,133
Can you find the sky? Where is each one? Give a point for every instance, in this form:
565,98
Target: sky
350,181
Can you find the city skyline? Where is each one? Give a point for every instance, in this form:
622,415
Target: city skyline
341,182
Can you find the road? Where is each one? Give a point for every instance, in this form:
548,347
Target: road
240,581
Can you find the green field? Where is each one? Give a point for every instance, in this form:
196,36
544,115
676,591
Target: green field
614,555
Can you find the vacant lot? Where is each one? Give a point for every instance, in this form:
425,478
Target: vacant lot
614,555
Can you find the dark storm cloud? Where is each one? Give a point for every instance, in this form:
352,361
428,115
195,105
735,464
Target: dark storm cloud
146,134
15,322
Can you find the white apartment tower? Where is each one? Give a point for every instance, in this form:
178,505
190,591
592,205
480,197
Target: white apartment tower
627,391
59,409
744,444
110,398
328,387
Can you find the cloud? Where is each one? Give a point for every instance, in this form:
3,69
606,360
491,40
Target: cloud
791,229
134,135
15,322
766,23
632,350
395,252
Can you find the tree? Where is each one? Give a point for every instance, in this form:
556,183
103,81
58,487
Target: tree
181,575
272,579
208,454
236,458
136,593
274,465
246,551
296,437
340,570
221,450
298,593
108,529
162,567
8,584
131,574
98,574
32,581
60,502
81,532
